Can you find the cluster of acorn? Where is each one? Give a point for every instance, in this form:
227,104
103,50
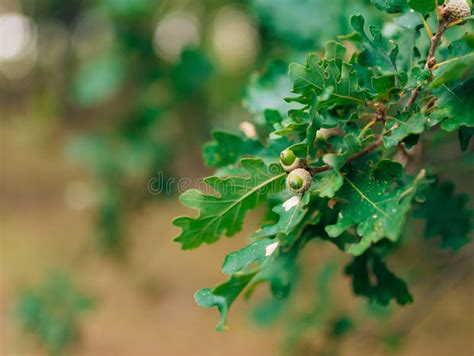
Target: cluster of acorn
298,179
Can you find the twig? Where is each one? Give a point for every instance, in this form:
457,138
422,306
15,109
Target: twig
430,60
367,149
429,64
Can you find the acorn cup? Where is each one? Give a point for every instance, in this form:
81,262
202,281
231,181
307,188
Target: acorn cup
455,10
298,180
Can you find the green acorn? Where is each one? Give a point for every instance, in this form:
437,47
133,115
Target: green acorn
298,180
289,161
456,9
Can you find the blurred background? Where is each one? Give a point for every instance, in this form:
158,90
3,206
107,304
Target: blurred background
100,97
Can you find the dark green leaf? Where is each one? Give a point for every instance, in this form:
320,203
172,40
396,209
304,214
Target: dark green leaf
371,278
376,50
381,209
334,81
446,215
404,125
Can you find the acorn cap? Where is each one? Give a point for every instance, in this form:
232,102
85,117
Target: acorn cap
298,180
456,10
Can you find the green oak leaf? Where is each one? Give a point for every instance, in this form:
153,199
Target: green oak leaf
224,213
373,205
278,269
349,145
418,77
422,6
407,124
453,69
376,50
385,84
372,278
446,215
297,122
334,81
291,213
326,184
455,105
254,252
458,62
223,296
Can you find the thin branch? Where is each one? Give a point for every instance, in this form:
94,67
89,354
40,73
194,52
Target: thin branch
429,64
430,60
369,148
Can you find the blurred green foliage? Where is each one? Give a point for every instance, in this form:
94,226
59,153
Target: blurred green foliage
134,113
51,312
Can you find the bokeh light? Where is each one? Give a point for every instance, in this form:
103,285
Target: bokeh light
235,39
18,44
175,32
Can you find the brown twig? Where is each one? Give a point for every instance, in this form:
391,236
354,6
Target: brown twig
380,110
430,60
367,149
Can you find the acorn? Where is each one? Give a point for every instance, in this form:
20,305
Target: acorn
298,180
455,10
289,161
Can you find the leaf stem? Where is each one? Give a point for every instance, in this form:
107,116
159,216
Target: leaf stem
427,27
366,127
437,65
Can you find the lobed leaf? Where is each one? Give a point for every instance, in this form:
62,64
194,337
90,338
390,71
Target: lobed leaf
290,213
326,184
334,81
373,205
377,51
225,212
